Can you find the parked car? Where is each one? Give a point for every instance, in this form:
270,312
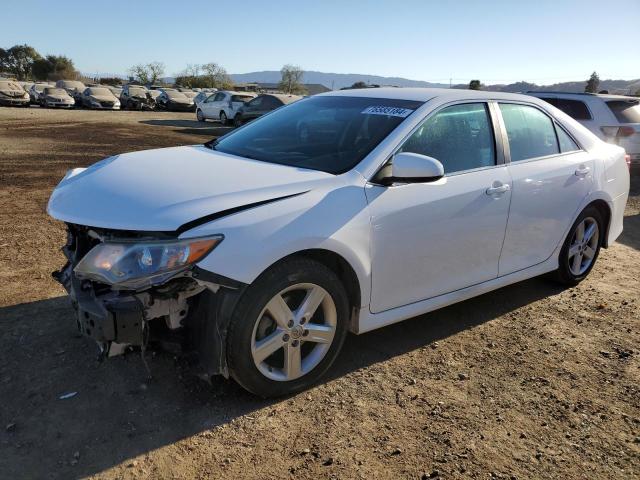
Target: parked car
99,98
74,88
265,247
222,106
175,101
26,85
117,91
262,104
136,97
201,97
154,94
35,91
12,94
54,97
613,118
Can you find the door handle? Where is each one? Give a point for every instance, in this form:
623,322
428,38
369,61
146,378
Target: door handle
498,188
582,171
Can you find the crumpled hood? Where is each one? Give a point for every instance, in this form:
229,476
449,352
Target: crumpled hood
12,93
161,190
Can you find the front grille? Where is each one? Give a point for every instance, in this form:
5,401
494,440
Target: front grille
106,104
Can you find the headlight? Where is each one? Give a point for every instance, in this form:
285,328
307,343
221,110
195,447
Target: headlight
128,265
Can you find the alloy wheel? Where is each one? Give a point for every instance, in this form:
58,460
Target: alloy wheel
584,245
294,332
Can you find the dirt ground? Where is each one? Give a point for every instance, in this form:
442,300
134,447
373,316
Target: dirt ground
529,382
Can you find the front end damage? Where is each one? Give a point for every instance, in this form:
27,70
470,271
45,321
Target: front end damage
187,313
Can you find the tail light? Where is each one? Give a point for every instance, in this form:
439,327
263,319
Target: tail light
618,132
627,158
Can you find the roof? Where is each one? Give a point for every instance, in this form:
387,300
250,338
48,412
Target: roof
606,96
424,94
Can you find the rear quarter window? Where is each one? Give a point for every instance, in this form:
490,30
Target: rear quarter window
626,111
574,108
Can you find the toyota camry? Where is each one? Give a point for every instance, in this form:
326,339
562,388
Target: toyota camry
342,212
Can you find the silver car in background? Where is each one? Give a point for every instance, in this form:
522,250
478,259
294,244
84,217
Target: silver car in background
73,88
13,95
35,91
54,97
99,98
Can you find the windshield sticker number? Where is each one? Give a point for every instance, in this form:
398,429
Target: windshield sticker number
390,111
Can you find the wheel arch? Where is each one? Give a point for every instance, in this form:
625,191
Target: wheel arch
604,208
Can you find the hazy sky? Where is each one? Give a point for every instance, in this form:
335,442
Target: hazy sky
496,41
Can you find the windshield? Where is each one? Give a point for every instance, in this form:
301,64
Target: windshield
39,87
328,133
142,92
626,111
71,84
175,95
99,91
4,85
54,91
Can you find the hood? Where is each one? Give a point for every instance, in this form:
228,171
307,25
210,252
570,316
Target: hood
60,98
161,190
12,93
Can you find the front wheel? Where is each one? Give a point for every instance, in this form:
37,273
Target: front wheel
237,120
199,115
581,247
287,328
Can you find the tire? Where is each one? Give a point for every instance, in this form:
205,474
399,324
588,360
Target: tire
237,120
252,322
223,118
200,116
578,256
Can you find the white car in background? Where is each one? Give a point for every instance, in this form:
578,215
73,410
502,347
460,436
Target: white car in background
265,247
202,96
36,90
222,106
613,118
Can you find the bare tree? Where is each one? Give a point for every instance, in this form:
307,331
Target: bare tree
475,85
217,76
156,70
292,79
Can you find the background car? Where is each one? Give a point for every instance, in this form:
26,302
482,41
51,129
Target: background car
613,118
35,91
13,95
262,104
175,101
202,96
54,97
115,90
99,98
223,106
74,88
136,97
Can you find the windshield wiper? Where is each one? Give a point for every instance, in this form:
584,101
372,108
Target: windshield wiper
211,143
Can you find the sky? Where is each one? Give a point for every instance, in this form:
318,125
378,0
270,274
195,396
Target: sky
496,41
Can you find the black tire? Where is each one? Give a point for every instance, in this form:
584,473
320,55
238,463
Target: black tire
223,118
200,116
289,272
237,120
564,274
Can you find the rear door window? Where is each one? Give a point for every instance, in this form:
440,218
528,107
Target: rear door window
460,137
626,111
531,133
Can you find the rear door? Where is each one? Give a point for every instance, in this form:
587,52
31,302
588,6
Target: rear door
551,176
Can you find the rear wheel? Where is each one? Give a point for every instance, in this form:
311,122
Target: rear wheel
223,118
237,120
288,328
581,247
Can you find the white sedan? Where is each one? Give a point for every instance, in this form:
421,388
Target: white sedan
346,211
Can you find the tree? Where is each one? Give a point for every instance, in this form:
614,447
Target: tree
359,84
217,75
593,83
475,85
18,60
292,79
147,73
54,67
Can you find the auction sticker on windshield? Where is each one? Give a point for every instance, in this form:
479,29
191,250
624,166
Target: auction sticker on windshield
391,111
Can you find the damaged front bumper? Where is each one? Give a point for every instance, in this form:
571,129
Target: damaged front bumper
189,311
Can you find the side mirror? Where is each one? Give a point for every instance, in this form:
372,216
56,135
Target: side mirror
414,168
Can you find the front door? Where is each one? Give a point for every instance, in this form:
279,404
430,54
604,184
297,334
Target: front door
433,238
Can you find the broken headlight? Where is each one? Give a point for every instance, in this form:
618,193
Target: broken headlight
137,265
